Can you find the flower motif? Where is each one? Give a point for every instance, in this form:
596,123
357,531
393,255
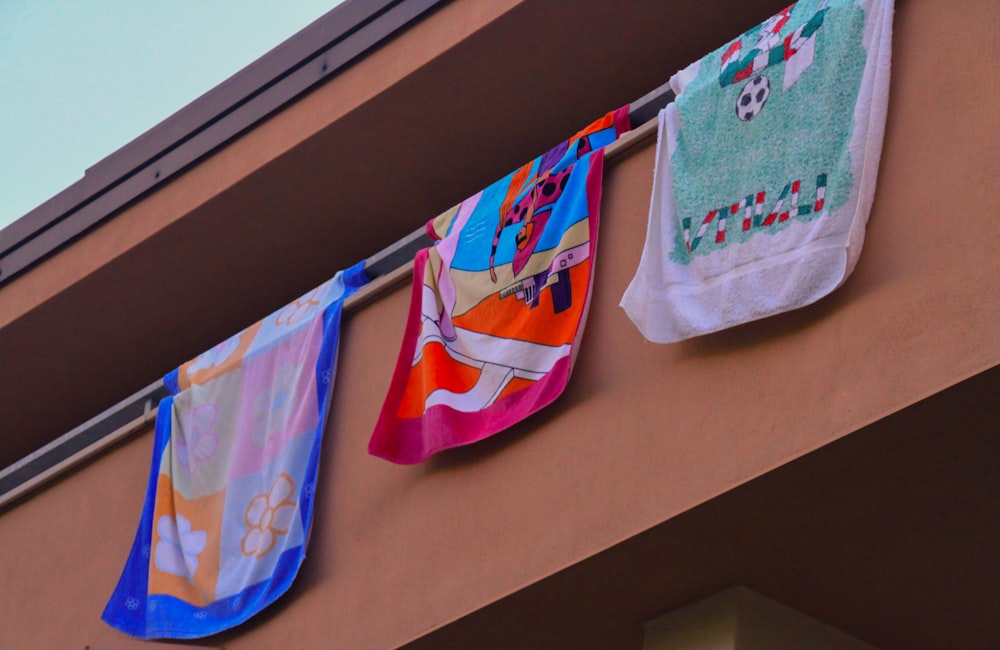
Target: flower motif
132,603
216,355
201,615
267,516
298,309
177,551
199,442
272,408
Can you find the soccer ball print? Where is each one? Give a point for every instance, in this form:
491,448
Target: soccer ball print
753,97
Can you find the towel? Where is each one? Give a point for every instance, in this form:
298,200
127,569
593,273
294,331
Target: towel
499,302
229,502
765,171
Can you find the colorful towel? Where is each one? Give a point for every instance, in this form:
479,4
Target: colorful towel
229,503
499,303
765,171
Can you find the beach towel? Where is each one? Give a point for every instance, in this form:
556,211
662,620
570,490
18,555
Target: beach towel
499,303
228,506
765,171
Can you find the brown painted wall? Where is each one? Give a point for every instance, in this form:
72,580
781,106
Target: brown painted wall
644,433
888,534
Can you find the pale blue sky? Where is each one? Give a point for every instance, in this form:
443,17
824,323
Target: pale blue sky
81,78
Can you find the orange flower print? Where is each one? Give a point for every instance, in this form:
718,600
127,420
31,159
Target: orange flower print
269,514
298,309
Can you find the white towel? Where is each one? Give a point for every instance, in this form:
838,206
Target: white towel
765,171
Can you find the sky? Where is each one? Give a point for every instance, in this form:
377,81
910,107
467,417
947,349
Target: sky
81,78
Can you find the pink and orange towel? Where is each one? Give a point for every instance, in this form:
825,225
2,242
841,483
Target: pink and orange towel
499,302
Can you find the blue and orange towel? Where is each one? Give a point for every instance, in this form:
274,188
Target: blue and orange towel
499,303
229,503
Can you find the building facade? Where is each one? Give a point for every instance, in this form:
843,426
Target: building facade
839,460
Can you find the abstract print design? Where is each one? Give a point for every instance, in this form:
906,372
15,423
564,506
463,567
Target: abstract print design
498,303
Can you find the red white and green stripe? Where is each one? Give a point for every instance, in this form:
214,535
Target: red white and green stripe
820,192
686,222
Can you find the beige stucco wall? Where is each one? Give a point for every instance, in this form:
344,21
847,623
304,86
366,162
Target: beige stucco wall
644,432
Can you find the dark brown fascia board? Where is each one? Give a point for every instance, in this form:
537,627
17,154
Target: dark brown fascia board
294,67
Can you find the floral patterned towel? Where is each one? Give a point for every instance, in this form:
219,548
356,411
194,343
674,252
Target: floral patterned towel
229,503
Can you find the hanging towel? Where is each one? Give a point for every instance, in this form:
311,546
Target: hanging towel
499,303
229,503
765,171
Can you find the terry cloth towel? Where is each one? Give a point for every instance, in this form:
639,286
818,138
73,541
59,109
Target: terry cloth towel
765,171
498,303
229,504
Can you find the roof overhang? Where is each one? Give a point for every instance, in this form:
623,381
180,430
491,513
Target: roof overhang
264,87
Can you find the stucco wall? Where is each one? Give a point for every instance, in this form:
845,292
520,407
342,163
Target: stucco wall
643,433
